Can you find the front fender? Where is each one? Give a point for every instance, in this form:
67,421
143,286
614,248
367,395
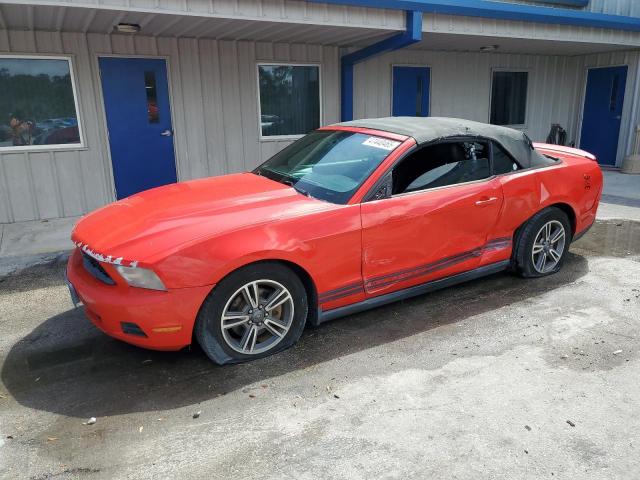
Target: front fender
327,246
207,262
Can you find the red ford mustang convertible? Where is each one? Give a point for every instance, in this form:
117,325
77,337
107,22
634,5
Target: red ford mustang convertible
347,218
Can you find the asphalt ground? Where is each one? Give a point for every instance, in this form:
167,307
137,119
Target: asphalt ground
498,378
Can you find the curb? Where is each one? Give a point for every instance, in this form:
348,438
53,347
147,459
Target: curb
14,265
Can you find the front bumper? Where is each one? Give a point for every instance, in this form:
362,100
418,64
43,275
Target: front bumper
165,318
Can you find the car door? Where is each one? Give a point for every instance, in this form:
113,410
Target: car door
436,221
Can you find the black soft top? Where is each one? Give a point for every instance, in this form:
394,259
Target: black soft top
433,129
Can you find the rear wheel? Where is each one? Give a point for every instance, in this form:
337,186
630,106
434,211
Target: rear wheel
543,243
253,312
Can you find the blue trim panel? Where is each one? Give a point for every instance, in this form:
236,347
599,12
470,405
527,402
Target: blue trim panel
346,91
412,34
503,11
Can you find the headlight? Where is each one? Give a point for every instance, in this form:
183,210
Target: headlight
140,277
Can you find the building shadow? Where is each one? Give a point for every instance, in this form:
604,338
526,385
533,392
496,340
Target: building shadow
67,367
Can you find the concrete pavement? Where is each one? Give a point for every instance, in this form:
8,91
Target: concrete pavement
500,378
621,189
24,244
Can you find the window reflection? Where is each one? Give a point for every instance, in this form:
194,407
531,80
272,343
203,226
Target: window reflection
153,114
37,105
509,98
289,99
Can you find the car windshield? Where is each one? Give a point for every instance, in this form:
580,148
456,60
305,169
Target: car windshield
328,164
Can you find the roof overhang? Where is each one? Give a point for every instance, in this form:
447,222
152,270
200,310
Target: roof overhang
345,25
340,23
505,11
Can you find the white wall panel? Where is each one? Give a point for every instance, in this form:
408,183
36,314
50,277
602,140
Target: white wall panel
439,23
214,103
461,86
629,8
77,176
630,115
289,11
215,107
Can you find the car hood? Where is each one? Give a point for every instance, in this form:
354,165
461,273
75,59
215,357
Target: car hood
158,221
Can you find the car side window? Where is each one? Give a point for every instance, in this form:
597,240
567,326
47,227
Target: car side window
502,161
442,164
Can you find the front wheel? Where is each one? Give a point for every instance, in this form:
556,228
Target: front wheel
252,313
543,243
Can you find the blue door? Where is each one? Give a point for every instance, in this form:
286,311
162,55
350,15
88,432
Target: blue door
603,103
410,92
136,101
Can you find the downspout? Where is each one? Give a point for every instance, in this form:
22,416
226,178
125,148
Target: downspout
411,35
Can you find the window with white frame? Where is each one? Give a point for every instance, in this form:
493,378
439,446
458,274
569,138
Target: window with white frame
289,98
38,104
509,97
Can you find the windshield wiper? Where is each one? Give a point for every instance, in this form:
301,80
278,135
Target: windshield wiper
297,189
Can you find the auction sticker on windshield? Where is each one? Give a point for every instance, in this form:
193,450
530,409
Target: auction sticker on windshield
383,143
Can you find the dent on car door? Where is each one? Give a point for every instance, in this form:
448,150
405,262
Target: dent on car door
436,223
522,192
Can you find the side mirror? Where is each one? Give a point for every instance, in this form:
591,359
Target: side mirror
384,190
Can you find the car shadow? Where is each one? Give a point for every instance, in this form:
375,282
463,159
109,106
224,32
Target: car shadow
66,366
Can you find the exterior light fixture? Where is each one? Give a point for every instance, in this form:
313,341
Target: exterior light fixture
489,48
127,28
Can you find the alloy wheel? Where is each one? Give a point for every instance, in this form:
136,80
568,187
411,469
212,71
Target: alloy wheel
257,316
548,246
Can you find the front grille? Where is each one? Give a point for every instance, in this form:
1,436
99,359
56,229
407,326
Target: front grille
93,266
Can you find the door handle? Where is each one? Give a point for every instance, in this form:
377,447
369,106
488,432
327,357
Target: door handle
166,133
486,201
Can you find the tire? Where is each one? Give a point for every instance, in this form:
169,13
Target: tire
528,262
248,332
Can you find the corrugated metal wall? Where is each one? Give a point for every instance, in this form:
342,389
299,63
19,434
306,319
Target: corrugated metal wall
630,8
56,183
214,107
461,87
282,11
517,29
630,111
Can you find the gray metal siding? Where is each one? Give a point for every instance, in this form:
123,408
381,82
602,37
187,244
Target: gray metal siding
452,24
461,87
281,11
215,107
629,8
291,21
58,183
215,110
630,111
